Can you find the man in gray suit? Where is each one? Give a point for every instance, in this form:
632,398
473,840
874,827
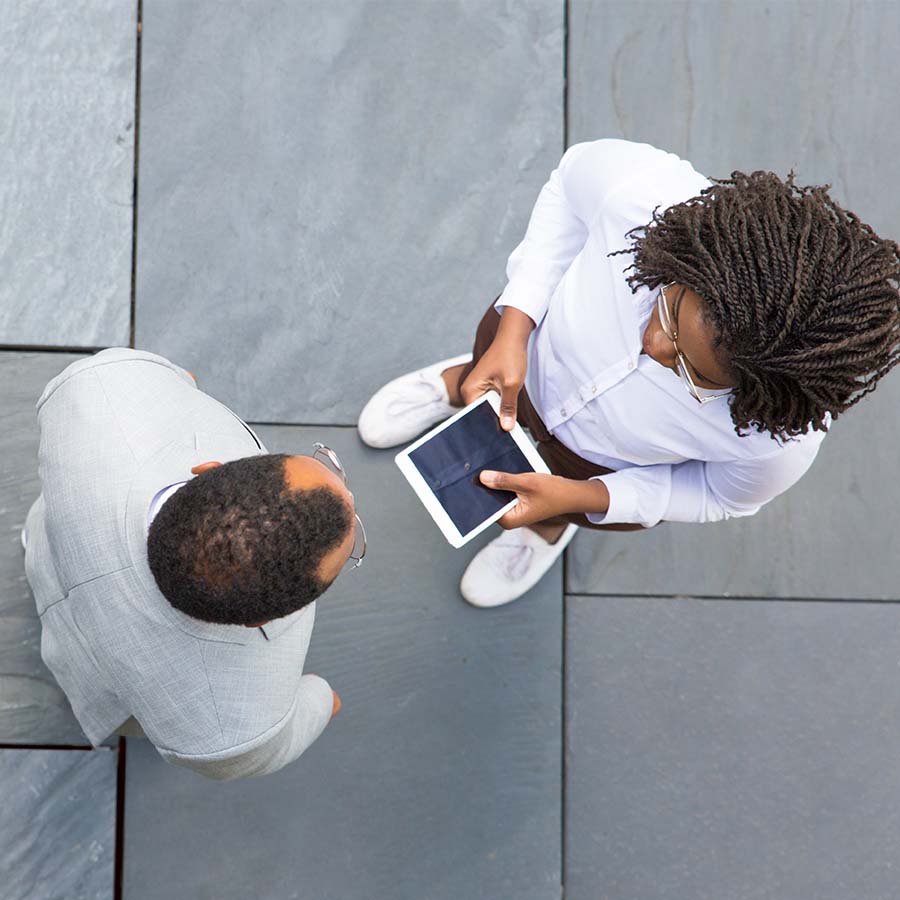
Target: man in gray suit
175,562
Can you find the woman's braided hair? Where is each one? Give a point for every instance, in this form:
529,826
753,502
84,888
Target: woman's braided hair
802,294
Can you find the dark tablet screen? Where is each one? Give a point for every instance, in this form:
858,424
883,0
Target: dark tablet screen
451,462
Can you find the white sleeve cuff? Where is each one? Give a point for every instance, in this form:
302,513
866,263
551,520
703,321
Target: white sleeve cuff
623,502
638,495
531,301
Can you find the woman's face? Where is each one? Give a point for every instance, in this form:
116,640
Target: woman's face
695,339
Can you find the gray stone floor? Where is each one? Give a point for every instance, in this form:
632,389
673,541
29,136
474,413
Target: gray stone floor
33,710
58,823
67,158
443,765
450,735
327,194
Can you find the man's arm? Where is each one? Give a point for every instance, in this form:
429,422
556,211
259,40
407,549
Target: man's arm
312,710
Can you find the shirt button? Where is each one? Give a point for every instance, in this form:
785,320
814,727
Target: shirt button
562,412
630,365
593,388
467,466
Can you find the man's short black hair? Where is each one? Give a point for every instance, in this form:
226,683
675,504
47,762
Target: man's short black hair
236,545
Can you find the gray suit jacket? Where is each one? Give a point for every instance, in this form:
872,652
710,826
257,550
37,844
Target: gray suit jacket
220,699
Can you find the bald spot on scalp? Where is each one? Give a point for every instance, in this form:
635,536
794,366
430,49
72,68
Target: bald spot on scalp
303,473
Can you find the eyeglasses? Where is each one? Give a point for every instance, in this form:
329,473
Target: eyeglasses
670,329
331,460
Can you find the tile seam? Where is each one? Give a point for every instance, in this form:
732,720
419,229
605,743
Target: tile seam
868,601
134,195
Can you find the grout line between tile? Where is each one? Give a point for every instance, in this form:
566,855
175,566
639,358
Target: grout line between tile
565,98
301,424
37,348
565,562
562,743
119,866
867,601
82,747
134,194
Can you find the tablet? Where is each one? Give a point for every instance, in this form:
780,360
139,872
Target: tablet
444,466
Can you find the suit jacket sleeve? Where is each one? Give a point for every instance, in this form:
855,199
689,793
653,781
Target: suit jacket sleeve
274,748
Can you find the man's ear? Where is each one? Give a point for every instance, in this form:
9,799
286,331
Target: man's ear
204,467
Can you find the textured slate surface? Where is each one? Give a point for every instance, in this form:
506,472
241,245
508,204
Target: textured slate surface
67,158
329,192
832,535
33,710
690,77
57,822
440,778
735,749
750,85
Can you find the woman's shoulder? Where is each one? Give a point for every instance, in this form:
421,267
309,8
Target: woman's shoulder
760,445
616,162
624,181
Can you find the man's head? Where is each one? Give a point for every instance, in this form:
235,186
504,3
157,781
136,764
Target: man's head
797,298
252,540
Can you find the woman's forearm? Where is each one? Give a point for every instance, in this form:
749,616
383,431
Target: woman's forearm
515,327
590,496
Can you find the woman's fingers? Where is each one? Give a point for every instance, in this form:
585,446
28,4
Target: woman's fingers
508,399
470,391
503,481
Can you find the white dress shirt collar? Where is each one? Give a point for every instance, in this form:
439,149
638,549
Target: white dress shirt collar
160,497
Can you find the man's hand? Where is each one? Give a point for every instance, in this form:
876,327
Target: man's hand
543,497
335,704
503,366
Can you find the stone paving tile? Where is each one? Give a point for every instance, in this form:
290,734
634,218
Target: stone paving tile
58,824
731,749
67,158
746,86
440,778
329,192
33,710
831,536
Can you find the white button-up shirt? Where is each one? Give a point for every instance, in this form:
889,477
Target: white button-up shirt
675,460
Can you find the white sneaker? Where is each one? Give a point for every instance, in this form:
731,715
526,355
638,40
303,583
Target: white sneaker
510,565
408,405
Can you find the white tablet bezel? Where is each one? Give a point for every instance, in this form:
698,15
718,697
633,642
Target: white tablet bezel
424,492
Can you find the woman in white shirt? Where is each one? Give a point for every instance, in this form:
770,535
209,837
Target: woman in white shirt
678,348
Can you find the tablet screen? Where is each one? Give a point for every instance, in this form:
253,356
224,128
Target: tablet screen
452,460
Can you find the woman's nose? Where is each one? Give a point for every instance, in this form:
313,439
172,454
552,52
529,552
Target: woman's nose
659,346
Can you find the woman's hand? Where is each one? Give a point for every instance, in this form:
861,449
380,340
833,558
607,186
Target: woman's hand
503,366
543,497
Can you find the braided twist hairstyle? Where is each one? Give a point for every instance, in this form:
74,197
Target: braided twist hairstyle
803,296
